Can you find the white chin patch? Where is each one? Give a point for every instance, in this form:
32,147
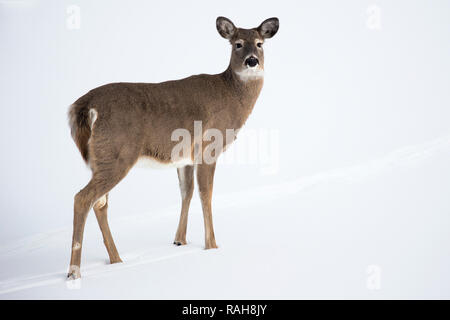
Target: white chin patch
248,73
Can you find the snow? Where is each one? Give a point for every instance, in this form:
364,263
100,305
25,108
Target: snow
312,237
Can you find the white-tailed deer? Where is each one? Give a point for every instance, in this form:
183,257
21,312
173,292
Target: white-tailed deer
118,124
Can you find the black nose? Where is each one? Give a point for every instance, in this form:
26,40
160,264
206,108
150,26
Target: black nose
251,62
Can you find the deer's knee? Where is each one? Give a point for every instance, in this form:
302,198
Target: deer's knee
187,191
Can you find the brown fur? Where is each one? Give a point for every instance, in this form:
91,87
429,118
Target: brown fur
137,119
81,131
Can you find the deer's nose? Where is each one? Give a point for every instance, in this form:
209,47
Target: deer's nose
251,61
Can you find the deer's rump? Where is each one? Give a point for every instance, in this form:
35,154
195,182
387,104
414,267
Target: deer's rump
79,121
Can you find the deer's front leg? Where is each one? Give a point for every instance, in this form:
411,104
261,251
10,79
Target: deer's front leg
205,178
186,179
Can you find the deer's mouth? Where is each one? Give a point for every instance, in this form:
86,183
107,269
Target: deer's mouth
251,62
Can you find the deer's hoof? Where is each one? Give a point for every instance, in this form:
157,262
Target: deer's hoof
74,273
179,243
115,260
211,246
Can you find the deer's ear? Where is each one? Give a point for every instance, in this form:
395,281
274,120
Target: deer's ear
225,27
268,28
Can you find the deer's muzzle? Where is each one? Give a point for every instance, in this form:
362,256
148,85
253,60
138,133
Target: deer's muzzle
251,62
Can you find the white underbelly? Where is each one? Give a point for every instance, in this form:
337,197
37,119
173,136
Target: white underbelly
149,162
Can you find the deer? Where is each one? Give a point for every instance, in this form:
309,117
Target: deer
117,125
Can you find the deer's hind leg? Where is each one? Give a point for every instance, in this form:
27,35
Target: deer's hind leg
104,178
186,180
101,212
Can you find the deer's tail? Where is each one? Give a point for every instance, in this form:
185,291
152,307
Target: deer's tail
81,119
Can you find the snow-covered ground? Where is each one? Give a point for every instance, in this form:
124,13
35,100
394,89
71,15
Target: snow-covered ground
376,230
350,201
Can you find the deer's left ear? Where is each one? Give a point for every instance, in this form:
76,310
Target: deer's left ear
269,27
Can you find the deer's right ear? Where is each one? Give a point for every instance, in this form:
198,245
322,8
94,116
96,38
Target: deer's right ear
225,27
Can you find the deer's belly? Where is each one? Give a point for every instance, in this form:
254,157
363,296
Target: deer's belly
149,162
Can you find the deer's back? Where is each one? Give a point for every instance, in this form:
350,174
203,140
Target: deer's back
141,117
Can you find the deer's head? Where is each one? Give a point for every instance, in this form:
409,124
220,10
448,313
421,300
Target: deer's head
247,57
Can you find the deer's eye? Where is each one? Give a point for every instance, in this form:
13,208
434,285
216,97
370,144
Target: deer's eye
238,45
259,44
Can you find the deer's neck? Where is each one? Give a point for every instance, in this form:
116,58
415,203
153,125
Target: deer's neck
243,93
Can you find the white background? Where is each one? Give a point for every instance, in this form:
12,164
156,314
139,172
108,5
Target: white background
364,142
